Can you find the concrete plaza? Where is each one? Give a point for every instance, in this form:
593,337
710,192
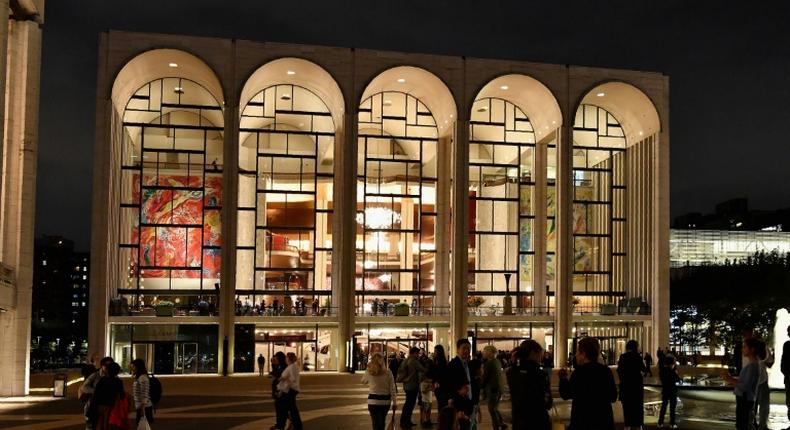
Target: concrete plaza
327,401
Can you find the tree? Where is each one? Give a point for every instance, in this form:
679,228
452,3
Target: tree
733,297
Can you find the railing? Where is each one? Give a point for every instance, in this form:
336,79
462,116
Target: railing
120,307
610,309
281,311
516,311
400,309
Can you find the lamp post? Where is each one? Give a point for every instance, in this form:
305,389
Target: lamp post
508,305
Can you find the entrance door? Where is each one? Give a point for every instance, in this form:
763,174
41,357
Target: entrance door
165,358
188,357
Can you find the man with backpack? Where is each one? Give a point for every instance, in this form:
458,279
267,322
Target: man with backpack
409,375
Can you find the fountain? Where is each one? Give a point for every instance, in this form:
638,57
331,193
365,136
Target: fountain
713,388
775,377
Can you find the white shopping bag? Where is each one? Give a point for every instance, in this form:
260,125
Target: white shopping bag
143,424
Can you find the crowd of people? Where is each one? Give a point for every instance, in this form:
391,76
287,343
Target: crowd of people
463,384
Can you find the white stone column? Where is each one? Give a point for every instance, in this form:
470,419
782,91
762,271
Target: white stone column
442,237
564,215
344,235
18,198
460,287
539,234
230,195
3,61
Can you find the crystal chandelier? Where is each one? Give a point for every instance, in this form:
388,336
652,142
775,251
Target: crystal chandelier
378,218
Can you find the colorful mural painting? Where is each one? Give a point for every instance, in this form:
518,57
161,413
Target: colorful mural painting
180,234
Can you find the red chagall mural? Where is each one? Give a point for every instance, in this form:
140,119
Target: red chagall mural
186,221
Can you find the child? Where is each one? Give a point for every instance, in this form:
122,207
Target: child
462,402
426,395
668,374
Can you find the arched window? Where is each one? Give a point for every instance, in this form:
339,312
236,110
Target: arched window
171,195
502,175
286,162
599,206
396,202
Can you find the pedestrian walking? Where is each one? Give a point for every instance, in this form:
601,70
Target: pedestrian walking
141,392
382,391
278,365
394,365
530,389
631,370
591,387
439,369
108,400
492,385
288,388
785,368
459,379
763,391
88,388
649,364
261,364
746,383
409,376
668,374
476,372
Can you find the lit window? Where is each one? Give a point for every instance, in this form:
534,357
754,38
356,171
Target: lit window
44,262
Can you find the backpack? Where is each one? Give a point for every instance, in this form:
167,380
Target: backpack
154,389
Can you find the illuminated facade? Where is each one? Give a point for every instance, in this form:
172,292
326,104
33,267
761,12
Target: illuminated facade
259,197
703,247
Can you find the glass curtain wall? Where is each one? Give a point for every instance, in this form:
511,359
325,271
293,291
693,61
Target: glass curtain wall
599,204
502,150
396,205
286,162
170,200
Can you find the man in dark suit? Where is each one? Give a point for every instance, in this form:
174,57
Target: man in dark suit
460,376
785,367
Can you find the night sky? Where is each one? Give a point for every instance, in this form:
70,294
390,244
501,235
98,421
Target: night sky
728,62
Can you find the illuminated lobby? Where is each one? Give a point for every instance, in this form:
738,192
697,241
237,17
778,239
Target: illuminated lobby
255,197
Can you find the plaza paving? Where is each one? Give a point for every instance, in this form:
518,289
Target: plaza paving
327,401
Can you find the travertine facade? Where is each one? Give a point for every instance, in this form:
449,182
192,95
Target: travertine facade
585,135
20,64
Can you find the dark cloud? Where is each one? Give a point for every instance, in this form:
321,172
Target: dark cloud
729,64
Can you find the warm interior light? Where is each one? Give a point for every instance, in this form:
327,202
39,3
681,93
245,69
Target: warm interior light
504,87
601,94
401,80
173,64
387,102
179,90
291,72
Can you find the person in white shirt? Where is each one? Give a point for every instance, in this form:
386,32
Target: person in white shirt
381,391
288,388
141,390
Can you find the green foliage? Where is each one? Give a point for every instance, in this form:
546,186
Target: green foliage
732,297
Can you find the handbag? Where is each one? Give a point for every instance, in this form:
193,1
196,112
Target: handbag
556,421
391,425
143,424
119,415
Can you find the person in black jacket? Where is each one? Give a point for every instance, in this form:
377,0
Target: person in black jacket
530,389
785,368
592,388
439,376
459,376
278,364
668,374
630,369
